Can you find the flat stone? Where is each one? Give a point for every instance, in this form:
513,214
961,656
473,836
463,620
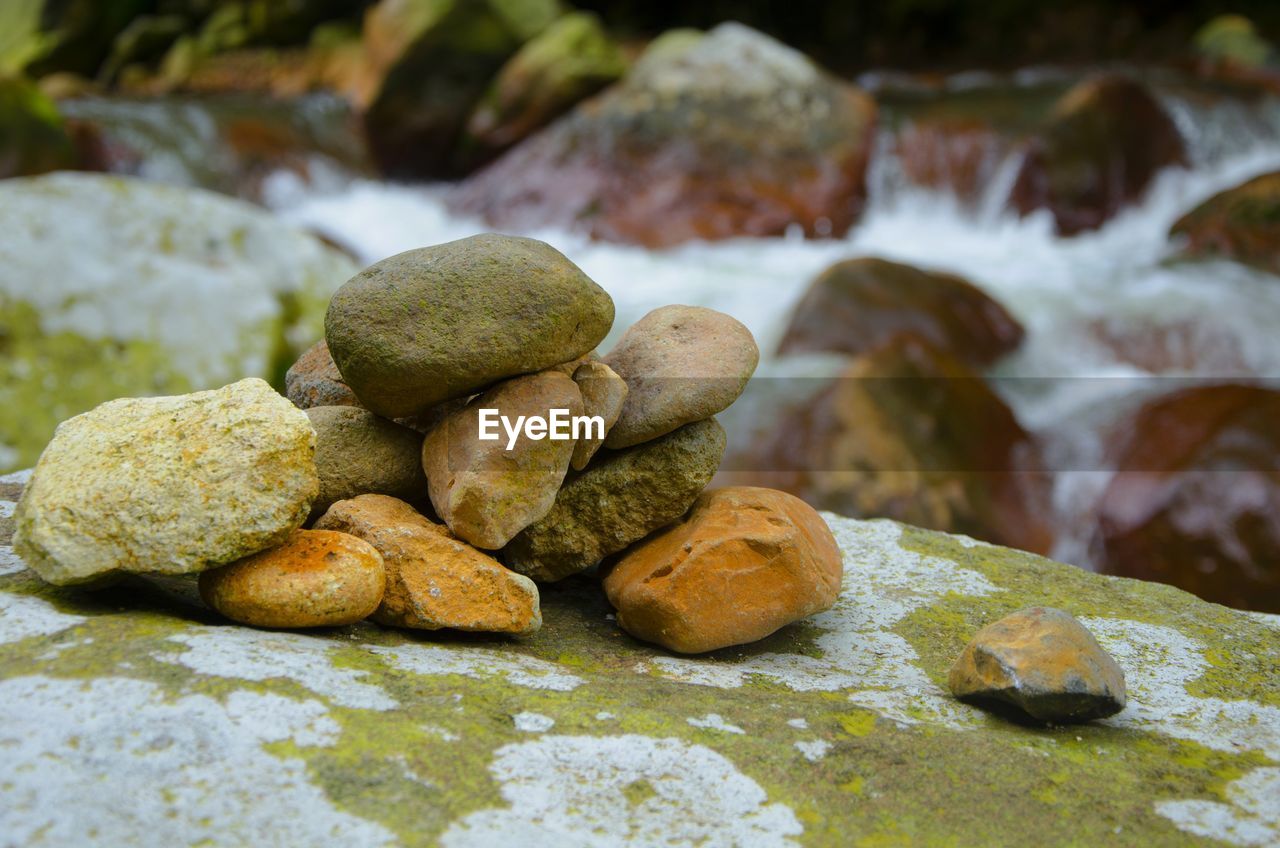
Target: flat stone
681,364
359,453
435,580
603,394
315,381
741,564
442,322
1045,664
317,578
485,492
172,485
621,497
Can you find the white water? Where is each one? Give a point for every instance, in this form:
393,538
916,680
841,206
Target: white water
1054,286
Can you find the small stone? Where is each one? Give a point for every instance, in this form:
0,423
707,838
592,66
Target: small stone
447,321
1043,662
314,380
171,485
603,394
743,563
681,364
317,578
358,453
621,497
435,580
485,492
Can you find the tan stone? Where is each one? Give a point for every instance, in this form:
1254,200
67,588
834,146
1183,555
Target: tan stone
435,580
317,578
603,394
742,564
484,492
1044,663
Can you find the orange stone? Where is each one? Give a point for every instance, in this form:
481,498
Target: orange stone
741,564
317,578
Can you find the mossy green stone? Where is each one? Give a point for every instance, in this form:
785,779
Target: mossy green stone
442,322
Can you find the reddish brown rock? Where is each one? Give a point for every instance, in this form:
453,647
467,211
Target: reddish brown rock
484,491
1241,223
435,580
1100,148
958,154
317,578
1043,663
911,433
741,564
603,395
733,135
859,305
1195,501
314,380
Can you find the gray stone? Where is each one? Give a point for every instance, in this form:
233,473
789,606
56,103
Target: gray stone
359,453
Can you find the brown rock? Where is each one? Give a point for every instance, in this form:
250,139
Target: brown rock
743,563
908,432
859,305
1042,662
681,364
603,394
1195,500
730,135
960,154
1104,142
317,578
358,453
1241,223
485,492
314,380
435,580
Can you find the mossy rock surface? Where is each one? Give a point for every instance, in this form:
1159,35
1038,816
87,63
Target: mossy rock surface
111,286
837,731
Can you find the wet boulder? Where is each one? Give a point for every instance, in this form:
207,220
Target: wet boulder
860,305
729,134
1241,223
1195,500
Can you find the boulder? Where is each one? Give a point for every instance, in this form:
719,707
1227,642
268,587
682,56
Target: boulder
732,135
315,381
1099,149
488,491
88,263
908,432
173,485
358,453
1241,223
429,63
570,60
33,137
681,364
603,395
741,564
317,578
960,154
1195,499
838,727
517,306
621,497
435,580
1044,664
859,305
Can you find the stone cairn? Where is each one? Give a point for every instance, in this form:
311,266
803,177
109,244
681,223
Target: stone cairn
415,447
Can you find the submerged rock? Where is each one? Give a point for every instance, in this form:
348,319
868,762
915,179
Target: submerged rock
358,453
741,564
435,580
171,485
317,578
1195,499
681,364
730,134
1100,148
1241,223
515,306
859,305
1043,663
620,498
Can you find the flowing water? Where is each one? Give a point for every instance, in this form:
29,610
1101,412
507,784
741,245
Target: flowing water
1219,319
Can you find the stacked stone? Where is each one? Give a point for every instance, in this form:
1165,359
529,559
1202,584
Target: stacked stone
415,519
